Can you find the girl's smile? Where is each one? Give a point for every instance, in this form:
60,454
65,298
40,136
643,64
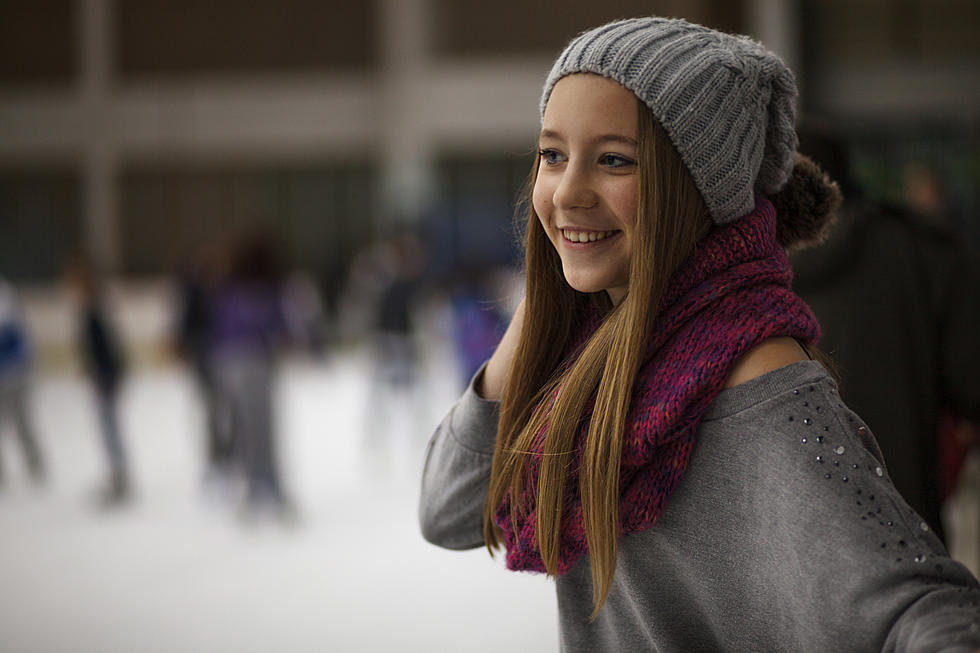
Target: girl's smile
584,237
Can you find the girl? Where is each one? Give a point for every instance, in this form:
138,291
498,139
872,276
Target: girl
651,430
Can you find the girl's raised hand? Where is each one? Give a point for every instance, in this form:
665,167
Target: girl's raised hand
491,384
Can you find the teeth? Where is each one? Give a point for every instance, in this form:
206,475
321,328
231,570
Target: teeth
585,236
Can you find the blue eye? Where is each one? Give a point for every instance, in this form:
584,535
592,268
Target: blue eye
615,161
550,157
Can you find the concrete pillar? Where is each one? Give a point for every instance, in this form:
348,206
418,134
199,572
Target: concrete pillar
99,158
407,175
776,23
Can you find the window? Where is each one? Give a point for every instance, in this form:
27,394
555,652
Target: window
169,38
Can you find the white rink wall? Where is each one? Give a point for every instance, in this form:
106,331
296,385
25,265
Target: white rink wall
142,312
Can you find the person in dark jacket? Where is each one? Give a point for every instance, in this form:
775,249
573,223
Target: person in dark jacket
102,357
197,286
898,299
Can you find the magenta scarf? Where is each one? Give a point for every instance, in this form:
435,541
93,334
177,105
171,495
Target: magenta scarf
732,294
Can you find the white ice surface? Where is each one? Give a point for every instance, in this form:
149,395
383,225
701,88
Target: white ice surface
177,570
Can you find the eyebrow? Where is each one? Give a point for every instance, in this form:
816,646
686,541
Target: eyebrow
601,138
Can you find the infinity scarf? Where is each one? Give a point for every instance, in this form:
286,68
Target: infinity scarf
730,295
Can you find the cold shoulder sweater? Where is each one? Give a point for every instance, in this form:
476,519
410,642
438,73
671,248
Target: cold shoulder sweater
784,534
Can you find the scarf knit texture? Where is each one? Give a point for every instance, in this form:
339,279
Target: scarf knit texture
730,295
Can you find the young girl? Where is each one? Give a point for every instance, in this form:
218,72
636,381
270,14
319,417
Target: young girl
651,430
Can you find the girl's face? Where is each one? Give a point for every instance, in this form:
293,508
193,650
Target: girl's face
586,188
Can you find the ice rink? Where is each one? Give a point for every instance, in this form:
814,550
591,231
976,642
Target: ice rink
178,570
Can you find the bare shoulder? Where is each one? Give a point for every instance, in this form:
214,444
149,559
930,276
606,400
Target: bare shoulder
765,357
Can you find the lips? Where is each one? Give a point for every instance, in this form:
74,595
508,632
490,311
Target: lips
575,236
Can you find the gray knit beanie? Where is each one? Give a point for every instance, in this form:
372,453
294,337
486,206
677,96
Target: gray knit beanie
727,103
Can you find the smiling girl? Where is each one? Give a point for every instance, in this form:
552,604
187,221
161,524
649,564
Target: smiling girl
651,430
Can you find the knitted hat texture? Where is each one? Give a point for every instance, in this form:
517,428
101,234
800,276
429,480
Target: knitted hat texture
727,103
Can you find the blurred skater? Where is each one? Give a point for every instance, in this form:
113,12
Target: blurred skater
396,356
193,339
392,409
103,359
478,318
304,313
14,380
248,329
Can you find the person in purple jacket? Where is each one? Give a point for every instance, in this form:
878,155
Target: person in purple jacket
247,329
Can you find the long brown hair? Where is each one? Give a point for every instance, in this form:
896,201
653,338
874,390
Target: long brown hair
671,218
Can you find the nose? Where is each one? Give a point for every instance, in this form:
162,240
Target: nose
575,190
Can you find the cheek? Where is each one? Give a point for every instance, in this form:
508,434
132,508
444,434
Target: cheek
624,197
541,201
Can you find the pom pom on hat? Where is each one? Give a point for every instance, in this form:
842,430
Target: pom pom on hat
806,206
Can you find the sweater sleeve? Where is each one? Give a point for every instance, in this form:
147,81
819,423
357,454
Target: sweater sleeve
456,472
869,561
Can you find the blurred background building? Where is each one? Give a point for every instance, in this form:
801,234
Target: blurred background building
138,133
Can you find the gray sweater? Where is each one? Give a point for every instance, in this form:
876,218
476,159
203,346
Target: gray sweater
784,534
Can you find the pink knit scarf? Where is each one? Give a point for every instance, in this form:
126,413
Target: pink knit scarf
732,294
